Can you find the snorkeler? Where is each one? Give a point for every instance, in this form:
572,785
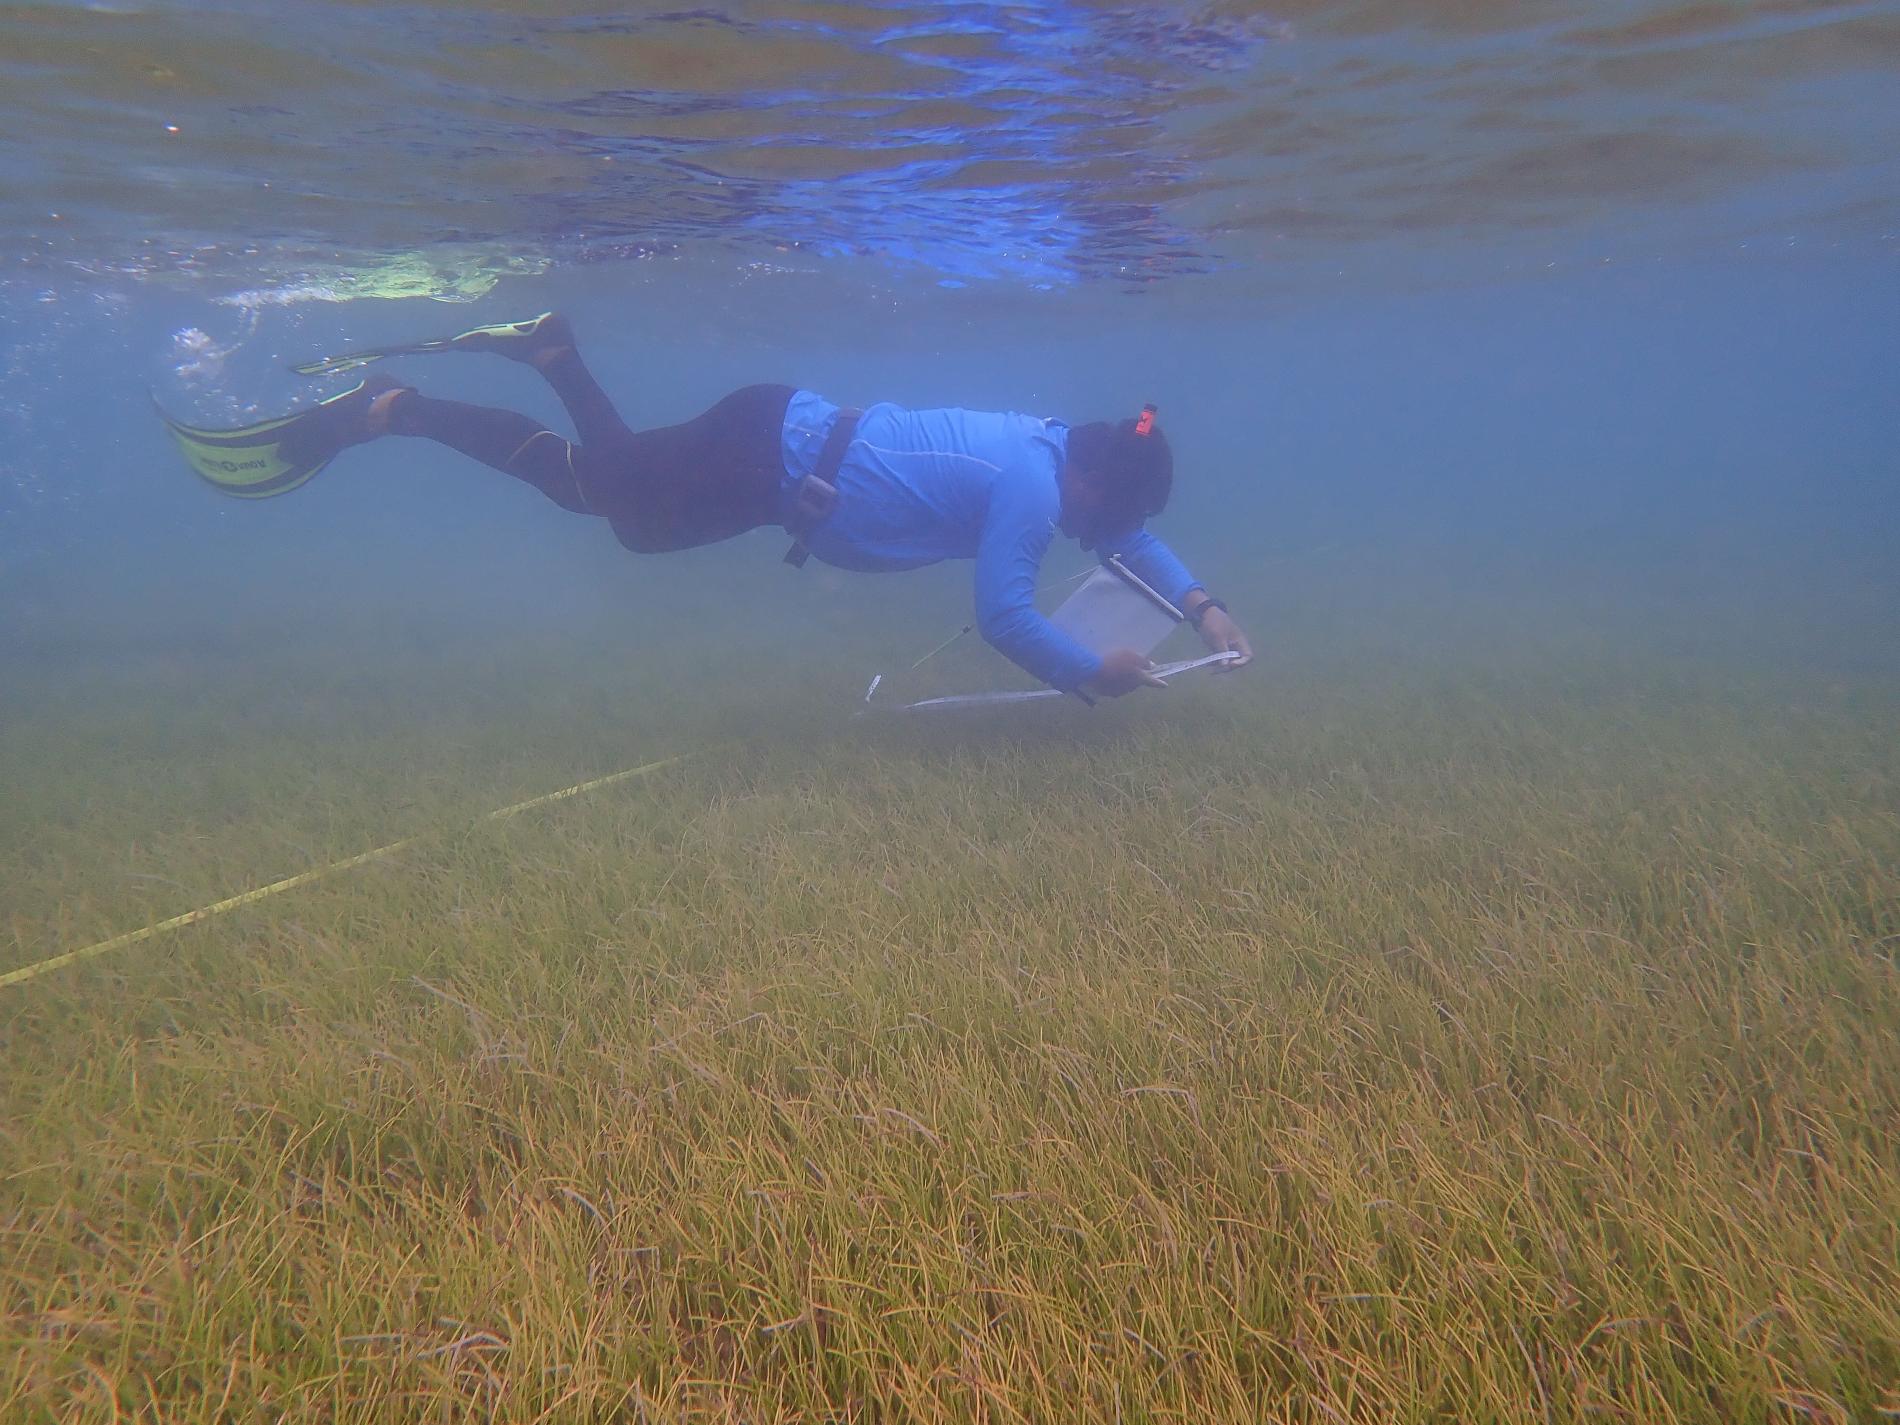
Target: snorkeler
882,489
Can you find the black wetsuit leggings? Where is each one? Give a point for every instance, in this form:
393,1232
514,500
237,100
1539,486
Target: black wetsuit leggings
707,479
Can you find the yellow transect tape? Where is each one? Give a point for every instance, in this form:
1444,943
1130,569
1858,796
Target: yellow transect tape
191,917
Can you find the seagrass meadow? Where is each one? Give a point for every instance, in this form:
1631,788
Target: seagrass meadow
1467,1014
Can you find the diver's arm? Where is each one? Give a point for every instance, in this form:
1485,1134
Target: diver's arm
1016,535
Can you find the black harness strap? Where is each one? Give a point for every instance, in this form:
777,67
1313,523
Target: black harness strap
817,493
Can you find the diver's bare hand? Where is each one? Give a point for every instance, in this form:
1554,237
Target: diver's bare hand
1222,635
1123,671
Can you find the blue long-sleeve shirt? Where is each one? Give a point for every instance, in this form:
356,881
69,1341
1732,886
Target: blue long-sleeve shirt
917,487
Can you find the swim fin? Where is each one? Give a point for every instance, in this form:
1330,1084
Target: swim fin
511,339
274,457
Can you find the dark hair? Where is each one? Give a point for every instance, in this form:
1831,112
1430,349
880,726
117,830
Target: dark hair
1136,471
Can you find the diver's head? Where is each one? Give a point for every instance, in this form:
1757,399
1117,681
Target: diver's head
1118,475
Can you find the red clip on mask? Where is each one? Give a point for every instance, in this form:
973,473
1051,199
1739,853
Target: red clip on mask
1147,421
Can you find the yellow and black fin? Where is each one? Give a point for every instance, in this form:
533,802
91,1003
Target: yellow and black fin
351,360
272,457
503,338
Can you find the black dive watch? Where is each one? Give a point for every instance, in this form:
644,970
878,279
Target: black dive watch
1200,611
